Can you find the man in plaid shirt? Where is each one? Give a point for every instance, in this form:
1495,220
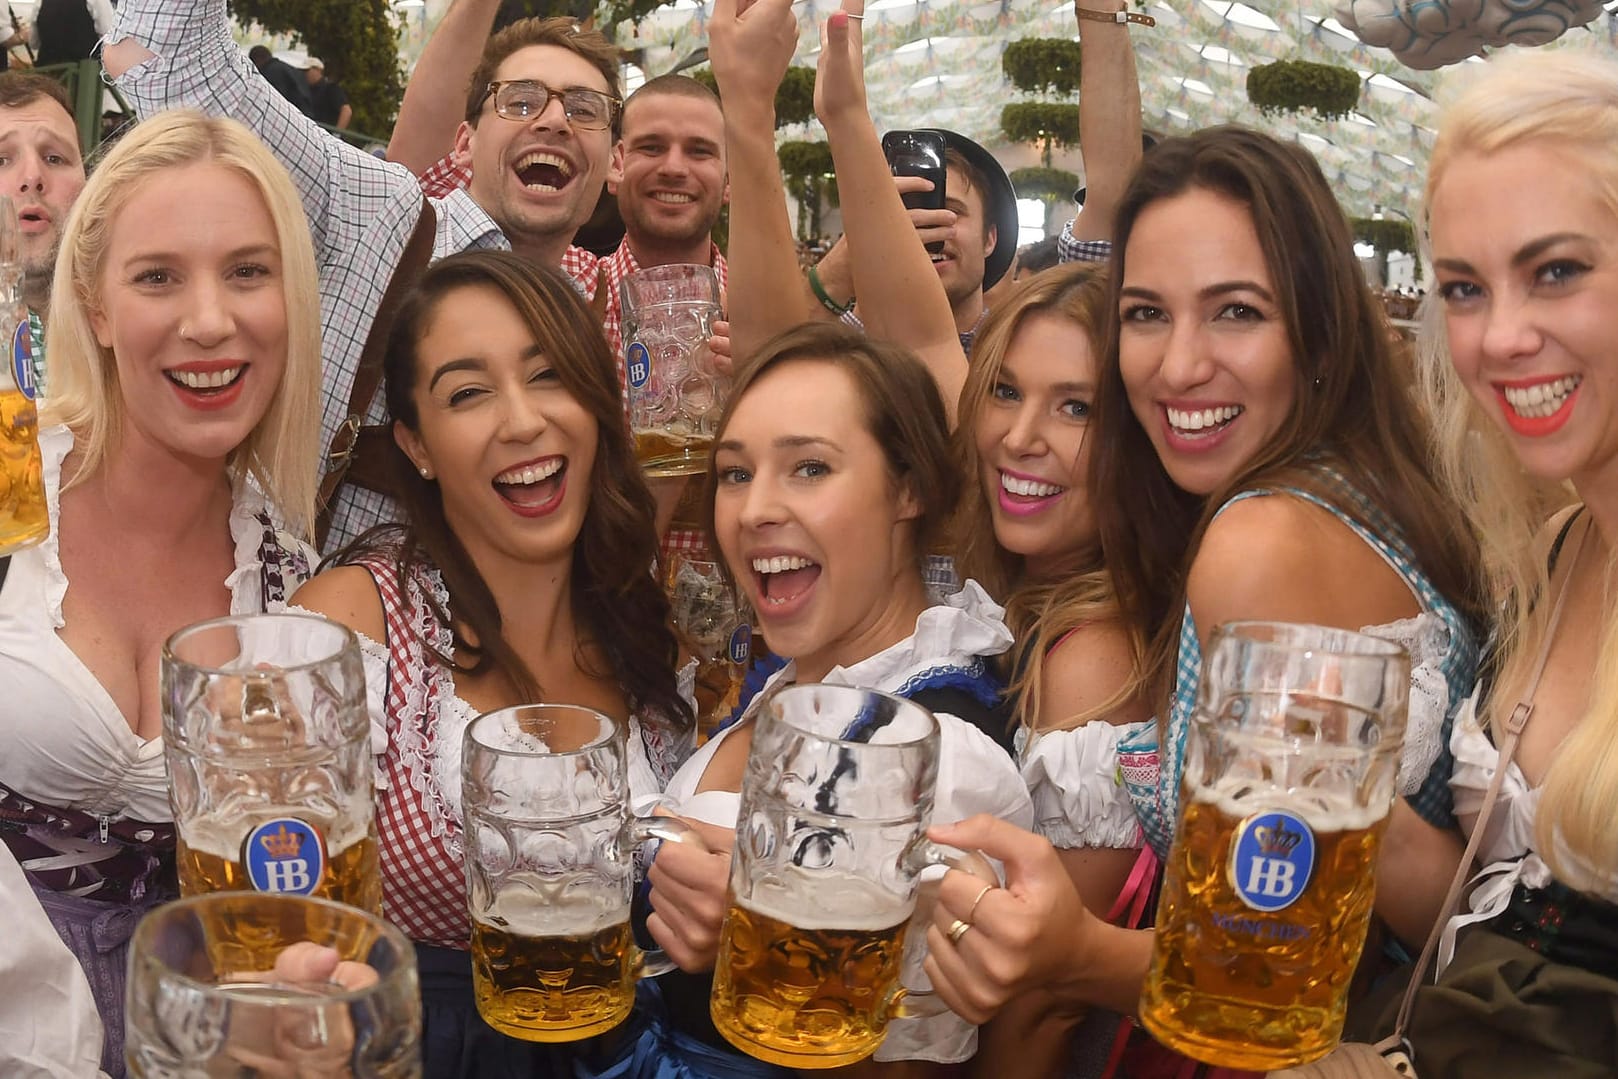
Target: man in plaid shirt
537,164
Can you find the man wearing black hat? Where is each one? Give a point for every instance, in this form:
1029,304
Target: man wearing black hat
977,226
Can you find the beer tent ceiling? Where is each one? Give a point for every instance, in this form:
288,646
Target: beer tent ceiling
937,62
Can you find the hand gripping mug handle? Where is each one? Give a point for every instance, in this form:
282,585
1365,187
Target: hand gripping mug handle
924,1003
642,830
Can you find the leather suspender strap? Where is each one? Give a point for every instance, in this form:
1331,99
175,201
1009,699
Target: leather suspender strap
1508,747
359,453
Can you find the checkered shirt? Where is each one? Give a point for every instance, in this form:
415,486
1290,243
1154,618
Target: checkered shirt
1069,249
444,177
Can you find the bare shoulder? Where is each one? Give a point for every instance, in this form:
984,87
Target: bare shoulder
1083,672
1283,558
345,594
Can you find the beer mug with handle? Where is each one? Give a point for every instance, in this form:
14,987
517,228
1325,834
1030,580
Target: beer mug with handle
216,989
550,871
675,393
830,842
268,746
1289,777
24,520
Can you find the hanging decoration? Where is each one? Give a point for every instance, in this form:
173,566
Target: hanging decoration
1050,186
1038,65
1328,91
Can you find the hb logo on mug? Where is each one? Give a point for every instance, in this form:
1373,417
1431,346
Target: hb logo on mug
1272,858
284,855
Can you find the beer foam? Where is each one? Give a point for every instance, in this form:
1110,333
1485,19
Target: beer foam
222,838
827,901
1323,810
528,911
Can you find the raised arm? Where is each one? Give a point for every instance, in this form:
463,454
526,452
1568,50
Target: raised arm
901,298
750,53
435,97
1109,118
169,54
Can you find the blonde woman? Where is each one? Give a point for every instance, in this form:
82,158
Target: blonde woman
179,444
1027,532
1523,202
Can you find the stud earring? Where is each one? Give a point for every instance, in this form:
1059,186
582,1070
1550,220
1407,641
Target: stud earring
426,474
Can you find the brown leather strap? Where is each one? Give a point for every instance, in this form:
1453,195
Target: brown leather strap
358,453
1508,748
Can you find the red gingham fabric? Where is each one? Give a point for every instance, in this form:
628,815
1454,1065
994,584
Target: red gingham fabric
444,176
423,881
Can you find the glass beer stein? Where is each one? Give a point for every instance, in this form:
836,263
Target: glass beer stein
835,802
24,520
268,747
206,997
550,871
675,394
1289,776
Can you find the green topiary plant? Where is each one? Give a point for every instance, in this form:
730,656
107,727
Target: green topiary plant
1298,85
1385,234
794,101
357,39
1046,123
1042,64
810,179
1048,185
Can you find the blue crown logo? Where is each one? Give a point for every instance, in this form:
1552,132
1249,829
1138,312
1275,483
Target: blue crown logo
1275,840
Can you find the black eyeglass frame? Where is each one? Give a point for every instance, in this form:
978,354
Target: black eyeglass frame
491,93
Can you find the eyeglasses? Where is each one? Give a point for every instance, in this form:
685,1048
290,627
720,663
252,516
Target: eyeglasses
524,99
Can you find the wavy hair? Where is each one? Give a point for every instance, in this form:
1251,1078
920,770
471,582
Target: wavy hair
1039,612
283,451
1566,102
1354,409
614,596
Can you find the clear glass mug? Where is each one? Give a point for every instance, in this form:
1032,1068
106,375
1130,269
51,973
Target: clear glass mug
830,842
550,871
205,997
713,624
267,741
24,520
1290,768
675,393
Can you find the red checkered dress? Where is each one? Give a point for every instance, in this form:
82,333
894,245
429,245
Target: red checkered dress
423,874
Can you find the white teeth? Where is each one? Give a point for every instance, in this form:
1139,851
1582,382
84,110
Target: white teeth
541,157
780,564
1029,488
198,380
1542,399
1197,419
673,197
530,473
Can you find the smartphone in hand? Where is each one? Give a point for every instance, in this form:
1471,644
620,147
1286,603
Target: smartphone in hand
918,153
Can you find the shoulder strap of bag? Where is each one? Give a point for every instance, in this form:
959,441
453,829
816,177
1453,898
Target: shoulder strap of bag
354,442
1514,727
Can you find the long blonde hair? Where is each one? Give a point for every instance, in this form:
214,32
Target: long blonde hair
1039,613
1568,101
282,452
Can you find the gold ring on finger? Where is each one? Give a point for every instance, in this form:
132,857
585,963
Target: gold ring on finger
987,888
957,930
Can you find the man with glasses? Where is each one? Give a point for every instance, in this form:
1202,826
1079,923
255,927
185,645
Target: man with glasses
536,135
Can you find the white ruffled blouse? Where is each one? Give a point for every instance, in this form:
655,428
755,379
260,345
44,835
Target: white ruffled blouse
65,743
974,776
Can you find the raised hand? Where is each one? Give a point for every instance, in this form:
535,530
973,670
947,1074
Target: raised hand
840,74
750,47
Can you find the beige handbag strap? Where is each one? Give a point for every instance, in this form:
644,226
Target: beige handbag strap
1508,747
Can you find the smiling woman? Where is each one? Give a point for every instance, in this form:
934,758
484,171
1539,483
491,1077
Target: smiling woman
520,573
180,443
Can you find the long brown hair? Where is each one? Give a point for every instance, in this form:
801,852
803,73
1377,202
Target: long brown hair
615,599
1038,612
1354,409
903,411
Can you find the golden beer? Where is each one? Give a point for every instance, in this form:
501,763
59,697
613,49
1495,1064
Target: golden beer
23,519
1244,987
547,973
351,873
808,991
664,452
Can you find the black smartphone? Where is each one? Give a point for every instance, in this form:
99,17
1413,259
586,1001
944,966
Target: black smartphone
918,153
